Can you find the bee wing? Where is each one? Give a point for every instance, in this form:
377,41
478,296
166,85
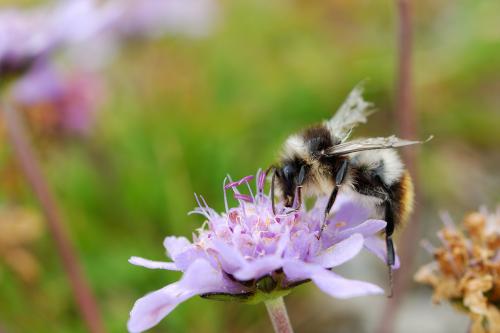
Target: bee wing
371,144
352,112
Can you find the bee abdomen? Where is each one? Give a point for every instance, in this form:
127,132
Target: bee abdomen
382,175
402,197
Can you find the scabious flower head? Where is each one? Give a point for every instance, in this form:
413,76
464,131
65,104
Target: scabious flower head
249,254
466,270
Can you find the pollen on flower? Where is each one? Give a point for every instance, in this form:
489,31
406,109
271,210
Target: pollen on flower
466,269
340,224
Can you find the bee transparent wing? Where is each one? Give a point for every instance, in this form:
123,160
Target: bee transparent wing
352,112
370,144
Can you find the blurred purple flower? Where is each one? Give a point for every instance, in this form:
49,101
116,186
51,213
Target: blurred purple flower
26,36
29,38
156,17
249,254
74,95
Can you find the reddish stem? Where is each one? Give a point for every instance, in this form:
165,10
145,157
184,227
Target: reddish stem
32,171
407,124
279,317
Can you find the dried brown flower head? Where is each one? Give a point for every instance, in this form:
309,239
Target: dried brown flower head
19,229
466,269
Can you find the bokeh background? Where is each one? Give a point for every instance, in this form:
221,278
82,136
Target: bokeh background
175,115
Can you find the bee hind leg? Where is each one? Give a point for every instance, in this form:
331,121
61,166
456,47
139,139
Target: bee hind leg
391,255
389,230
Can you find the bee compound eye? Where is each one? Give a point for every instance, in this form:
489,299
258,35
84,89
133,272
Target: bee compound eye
288,171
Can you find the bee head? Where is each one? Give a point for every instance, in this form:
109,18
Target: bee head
289,176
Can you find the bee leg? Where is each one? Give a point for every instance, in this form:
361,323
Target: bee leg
273,178
299,197
389,230
339,179
297,200
329,205
391,255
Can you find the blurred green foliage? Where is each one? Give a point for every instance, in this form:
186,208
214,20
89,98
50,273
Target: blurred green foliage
181,114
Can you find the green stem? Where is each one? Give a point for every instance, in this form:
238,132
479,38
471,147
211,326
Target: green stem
279,317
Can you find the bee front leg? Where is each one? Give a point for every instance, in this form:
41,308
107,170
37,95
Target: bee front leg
297,198
273,179
339,179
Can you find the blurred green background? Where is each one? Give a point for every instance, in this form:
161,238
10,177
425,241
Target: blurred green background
179,114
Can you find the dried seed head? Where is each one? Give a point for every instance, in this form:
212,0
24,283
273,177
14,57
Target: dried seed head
466,270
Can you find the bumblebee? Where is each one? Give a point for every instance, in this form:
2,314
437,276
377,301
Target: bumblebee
321,160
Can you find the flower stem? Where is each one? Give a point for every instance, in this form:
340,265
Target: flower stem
407,123
279,317
34,176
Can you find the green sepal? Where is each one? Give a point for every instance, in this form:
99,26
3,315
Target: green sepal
248,298
243,297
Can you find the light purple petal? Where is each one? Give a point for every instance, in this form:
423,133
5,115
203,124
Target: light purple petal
153,264
367,229
152,308
339,287
340,253
349,210
199,278
230,258
283,242
267,264
193,253
329,282
176,245
258,268
378,247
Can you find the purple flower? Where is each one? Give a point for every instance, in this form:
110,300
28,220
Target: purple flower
24,37
74,96
156,17
246,253
79,25
31,36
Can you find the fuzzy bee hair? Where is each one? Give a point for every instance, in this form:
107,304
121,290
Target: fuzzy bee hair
321,160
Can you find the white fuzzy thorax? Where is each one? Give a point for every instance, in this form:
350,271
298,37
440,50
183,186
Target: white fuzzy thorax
295,146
